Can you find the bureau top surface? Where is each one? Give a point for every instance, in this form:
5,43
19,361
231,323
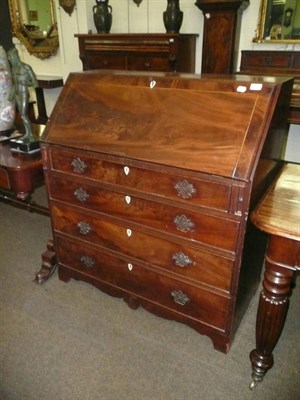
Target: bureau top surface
206,124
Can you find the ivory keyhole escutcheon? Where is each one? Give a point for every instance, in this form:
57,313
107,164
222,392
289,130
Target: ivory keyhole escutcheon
129,232
130,266
128,199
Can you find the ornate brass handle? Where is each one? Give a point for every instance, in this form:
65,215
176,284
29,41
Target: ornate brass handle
84,227
87,261
79,166
185,189
183,223
81,194
181,259
179,297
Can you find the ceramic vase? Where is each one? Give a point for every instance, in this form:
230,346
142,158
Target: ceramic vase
7,103
102,16
173,17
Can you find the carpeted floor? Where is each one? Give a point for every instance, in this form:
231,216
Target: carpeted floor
70,341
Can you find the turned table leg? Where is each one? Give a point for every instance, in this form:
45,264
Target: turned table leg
273,305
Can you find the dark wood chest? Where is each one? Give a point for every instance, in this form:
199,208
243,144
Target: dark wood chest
141,52
276,63
150,181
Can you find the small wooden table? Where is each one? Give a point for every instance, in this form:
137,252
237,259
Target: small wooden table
278,214
20,173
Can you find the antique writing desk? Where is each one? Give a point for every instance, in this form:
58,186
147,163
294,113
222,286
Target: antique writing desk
278,214
151,178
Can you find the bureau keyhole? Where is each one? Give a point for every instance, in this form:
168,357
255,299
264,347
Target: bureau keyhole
130,266
126,170
128,199
129,232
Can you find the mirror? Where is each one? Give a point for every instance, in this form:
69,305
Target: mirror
279,21
34,23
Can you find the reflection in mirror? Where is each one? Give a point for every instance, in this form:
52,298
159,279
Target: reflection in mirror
279,21
34,23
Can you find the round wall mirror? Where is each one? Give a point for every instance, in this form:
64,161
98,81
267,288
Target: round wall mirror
34,23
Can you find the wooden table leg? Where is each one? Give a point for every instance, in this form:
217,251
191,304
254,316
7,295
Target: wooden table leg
280,270
48,264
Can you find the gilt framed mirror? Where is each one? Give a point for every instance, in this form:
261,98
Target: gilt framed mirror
34,23
279,21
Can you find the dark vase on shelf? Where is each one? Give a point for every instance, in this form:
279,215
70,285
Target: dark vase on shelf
102,16
173,17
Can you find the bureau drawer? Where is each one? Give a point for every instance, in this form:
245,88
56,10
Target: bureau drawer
207,229
180,297
185,261
211,194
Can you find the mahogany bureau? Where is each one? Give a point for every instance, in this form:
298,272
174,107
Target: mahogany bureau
150,181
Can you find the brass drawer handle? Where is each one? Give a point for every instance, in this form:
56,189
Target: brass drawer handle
79,166
181,260
183,223
147,64
81,194
185,189
87,261
84,227
179,297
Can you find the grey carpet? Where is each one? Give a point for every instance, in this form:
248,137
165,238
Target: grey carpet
70,341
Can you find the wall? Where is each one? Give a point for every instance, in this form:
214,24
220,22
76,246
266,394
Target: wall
127,17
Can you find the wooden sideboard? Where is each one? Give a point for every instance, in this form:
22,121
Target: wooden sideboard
276,63
143,52
150,189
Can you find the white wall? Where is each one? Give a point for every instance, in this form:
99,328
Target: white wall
147,18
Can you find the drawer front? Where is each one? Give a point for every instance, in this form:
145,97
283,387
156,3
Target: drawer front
180,297
149,63
106,61
199,227
187,190
261,59
179,259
